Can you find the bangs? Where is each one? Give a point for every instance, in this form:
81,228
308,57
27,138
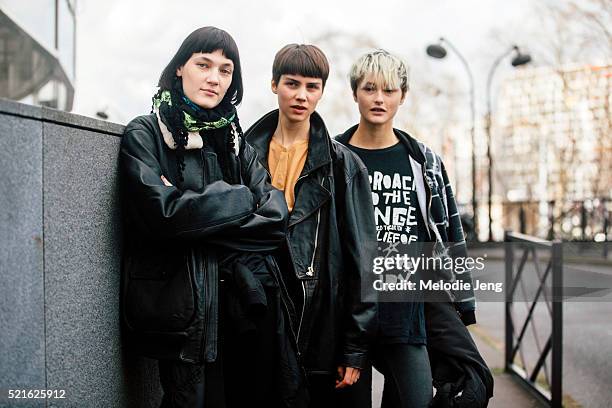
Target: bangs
299,63
387,71
212,41
305,60
382,79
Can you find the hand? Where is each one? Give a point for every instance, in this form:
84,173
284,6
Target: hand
166,182
347,376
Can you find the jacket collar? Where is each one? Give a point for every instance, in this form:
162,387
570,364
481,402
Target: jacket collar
408,141
260,134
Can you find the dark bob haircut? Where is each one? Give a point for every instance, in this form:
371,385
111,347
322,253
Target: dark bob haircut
206,40
300,59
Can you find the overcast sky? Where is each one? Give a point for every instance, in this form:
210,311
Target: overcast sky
122,46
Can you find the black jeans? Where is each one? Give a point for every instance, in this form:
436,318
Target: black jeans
408,382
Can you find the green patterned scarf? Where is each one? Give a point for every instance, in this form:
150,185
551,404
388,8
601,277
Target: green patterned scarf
195,118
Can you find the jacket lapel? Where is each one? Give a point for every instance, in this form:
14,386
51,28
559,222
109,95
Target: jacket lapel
310,196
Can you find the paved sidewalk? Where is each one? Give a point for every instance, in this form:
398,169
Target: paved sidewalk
507,391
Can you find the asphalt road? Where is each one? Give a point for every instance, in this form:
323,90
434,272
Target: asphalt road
587,332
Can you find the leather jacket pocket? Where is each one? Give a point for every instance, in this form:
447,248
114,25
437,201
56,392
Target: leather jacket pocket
159,292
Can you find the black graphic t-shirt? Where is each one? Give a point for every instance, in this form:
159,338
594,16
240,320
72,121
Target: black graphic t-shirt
399,229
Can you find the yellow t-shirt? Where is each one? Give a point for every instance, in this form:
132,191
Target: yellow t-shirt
286,165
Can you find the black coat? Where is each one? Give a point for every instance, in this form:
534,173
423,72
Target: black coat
331,242
174,235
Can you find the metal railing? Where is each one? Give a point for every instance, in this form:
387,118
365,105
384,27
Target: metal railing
550,388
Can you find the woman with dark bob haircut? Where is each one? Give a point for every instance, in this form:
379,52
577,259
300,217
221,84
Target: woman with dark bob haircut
200,291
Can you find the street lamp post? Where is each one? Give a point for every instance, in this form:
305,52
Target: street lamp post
519,59
438,51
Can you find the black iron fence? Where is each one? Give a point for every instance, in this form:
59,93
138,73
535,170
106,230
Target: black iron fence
539,273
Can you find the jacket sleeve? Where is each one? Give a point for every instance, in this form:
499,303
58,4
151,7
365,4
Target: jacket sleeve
465,302
264,229
167,212
358,238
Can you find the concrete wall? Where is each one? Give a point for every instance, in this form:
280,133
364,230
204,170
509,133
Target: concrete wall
60,248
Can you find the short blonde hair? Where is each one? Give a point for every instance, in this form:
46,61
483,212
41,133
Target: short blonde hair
388,69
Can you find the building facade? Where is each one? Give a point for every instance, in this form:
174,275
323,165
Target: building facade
38,52
553,150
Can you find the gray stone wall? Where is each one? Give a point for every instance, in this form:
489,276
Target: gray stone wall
60,252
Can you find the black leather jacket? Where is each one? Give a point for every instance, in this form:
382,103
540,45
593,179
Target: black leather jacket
174,234
331,243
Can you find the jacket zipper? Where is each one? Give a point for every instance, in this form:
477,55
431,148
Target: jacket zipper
310,271
302,314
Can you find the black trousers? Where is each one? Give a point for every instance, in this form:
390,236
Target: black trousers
408,382
243,375
183,384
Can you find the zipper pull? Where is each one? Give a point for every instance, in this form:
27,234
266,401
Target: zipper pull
310,271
